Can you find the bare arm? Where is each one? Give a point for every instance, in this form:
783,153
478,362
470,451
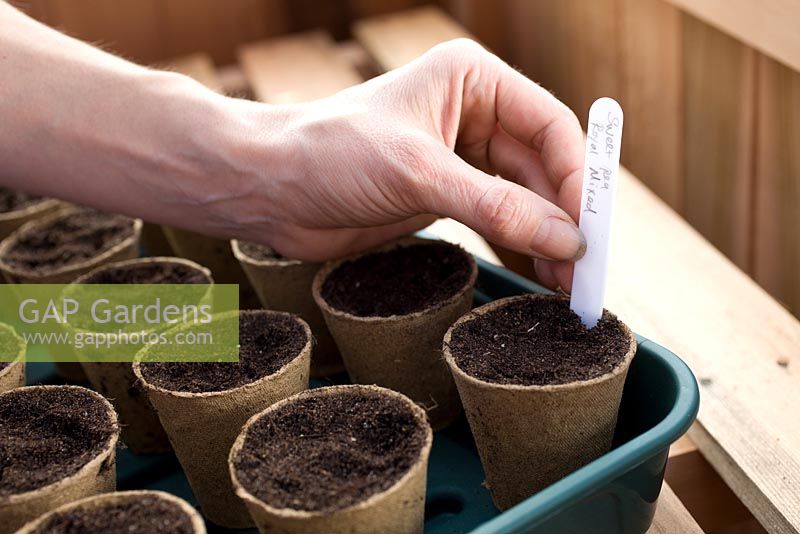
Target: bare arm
315,180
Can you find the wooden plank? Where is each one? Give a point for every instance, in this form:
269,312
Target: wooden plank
384,36
628,49
777,252
669,284
651,86
198,66
671,516
719,80
707,497
309,66
296,68
768,25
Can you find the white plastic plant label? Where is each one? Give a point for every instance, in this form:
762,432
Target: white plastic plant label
601,169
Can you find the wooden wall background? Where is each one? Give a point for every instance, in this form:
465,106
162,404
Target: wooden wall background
711,89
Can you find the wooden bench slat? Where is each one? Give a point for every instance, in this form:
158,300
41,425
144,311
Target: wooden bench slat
307,66
397,38
671,516
671,285
296,68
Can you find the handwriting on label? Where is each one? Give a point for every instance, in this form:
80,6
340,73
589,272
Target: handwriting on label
600,141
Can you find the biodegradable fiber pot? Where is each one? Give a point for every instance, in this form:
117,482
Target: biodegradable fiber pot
388,310
204,405
541,393
285,284
18,208
341,459
141,430
12,373
215,254
57,444
59,248
150,512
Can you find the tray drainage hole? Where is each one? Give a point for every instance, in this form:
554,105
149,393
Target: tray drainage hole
443,504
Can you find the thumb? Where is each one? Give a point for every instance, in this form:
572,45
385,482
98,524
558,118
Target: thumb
503,212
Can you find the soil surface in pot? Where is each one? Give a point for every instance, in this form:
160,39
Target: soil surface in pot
399,281
67,240
538,342
11,200
145,514
47,435
324,453
163,272
267,342
259,252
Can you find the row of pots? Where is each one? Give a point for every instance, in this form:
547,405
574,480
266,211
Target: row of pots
519,429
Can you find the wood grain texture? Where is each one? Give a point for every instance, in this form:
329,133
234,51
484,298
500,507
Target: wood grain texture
671,516
719,137
767,25
630,50
670,285
296,68
651,87
384,37
777,252
707,497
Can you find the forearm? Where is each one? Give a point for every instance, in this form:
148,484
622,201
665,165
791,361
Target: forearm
86,126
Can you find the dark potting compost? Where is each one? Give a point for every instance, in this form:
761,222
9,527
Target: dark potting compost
146,515
11,200
538,342
259,252
400,281
162,272
47,435
267,342
324,453
67,240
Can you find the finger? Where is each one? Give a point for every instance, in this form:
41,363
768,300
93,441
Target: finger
520,164
563,273
535,118
326,244
544,273
503,212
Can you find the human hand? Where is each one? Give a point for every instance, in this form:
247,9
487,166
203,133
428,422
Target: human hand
367,164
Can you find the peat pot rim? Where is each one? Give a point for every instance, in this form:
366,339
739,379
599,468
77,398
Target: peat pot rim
6,244
23,347
101,456
620,368
165,260
39,206
328,268
291,513
306,350
272,262
121,496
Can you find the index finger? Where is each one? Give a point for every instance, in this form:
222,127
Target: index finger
535,117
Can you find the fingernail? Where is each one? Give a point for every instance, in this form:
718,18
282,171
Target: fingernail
559,239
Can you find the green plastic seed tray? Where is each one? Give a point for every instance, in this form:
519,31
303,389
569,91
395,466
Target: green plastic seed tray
615,493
